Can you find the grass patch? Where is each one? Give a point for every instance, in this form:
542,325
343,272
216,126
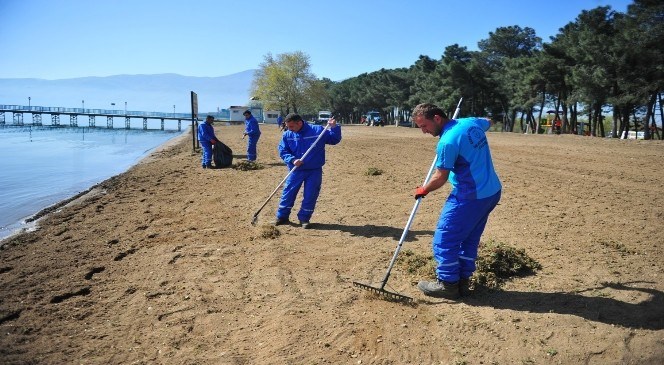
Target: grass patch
373,171
247,165
269,231
496,263
418,265
618,247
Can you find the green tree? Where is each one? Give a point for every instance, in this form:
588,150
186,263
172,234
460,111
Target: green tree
508,43
286,83
554,64
641,65
456,79
426,81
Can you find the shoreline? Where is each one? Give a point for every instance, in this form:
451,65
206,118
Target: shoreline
31,223
163,265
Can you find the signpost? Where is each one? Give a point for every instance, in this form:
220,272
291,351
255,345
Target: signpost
194,119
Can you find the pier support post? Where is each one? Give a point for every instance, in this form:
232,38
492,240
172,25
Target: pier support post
109,122
91,122
179,125
73,120
18,118
55,119
127,122
162,124
36,118
145,124
2,118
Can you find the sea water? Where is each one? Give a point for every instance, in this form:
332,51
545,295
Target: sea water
40,166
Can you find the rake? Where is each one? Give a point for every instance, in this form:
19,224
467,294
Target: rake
381,290
255,218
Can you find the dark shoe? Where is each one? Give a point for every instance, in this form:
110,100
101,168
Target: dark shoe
205,167
440,289
209,167
464,287
305,225
281,221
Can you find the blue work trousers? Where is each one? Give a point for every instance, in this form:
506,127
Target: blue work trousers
251,147
457,236
312,180
206,146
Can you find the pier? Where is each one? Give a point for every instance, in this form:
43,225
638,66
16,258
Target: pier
55,116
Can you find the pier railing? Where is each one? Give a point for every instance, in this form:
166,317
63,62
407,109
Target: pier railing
73,114
100,112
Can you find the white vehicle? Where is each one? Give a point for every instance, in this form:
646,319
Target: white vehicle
324,116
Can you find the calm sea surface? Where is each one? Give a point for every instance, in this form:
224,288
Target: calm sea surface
40,166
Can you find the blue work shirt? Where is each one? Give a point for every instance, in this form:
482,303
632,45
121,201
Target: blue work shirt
293,145
206,132
251,126
463,149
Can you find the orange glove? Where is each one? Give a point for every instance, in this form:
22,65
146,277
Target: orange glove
420,192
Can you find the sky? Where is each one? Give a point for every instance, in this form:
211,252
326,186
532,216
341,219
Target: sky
61,39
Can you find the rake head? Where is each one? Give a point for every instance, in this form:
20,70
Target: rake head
254,220
388,295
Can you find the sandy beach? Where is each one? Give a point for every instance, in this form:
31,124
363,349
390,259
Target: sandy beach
160,265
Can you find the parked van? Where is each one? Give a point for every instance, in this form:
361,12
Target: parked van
323,117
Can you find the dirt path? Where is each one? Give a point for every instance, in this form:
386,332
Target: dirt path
162,266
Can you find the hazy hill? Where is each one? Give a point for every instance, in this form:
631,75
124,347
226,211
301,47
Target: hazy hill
141,92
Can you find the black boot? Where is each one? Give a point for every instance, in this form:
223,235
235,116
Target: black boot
464,287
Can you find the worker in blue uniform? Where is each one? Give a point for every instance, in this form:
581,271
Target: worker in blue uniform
207,138
252,130
295,141
463,159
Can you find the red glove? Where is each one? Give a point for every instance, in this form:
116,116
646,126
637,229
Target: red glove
213,141
420,192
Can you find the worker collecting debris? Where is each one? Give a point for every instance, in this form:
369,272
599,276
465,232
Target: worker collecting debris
463,159
206,138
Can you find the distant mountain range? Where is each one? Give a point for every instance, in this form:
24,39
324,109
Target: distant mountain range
141,92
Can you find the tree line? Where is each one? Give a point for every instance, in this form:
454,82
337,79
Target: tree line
602,62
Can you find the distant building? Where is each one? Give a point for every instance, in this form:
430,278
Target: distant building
236,113
237,116
271,116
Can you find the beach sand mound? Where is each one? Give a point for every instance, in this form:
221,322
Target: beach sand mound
164,266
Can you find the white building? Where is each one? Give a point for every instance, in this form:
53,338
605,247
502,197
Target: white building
236,113
270,116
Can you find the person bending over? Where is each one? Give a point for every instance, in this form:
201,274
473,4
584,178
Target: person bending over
463,159
207,138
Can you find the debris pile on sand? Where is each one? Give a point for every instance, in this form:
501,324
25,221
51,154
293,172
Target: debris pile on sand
269,231
247,165
496,263
373,171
